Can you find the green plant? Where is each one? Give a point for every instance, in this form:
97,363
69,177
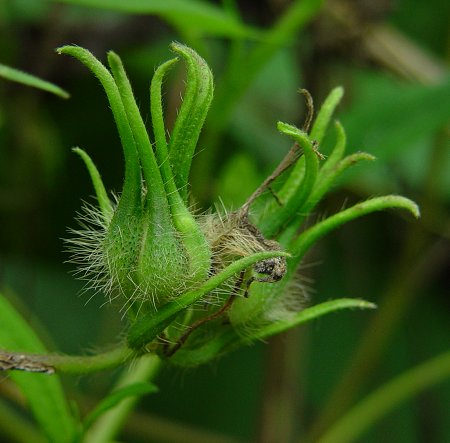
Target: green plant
193,286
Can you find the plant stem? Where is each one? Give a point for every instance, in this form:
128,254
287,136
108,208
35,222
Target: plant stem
386,398
109,424
279,416
69,364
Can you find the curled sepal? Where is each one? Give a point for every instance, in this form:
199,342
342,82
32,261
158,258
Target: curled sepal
228,340
196,101
159,130
311,163
131,191
303,175
324,116
150,171
327,177
310,314
304,241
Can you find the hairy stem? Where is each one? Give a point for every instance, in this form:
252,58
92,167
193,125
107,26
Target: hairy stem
69,364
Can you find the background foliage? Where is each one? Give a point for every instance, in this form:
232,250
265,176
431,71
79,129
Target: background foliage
394,67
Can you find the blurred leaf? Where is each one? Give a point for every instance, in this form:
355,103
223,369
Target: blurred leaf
23,11
18,76
193,14
136,389
388,117
238,179
398,123
43,392
254,120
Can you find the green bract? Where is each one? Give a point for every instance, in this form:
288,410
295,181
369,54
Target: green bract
196,286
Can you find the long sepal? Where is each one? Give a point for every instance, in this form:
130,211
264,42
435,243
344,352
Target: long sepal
196,102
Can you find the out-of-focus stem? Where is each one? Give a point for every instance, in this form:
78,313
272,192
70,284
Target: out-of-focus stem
109,424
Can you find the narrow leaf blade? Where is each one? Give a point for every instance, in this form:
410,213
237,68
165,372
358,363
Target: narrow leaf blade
202,16
43,392
18,76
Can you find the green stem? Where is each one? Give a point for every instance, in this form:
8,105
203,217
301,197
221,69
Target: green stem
69,364
409,384
416,263
107,427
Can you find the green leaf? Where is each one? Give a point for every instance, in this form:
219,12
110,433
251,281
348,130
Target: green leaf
134,390
18,76
390,117
43,392
202,16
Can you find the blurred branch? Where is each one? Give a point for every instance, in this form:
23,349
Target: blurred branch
106,428
280,397
382,43
395,51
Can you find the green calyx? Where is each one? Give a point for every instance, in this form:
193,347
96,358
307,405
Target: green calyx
151,248
199,286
